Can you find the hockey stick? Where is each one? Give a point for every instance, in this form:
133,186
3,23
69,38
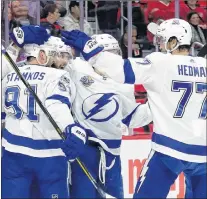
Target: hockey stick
83,167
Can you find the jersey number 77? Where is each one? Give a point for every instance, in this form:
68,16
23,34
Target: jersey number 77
200,88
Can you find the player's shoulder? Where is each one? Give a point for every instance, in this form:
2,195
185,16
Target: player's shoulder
81,65
156,56
78,62
200,60
52,72
149,59
189,60
44,75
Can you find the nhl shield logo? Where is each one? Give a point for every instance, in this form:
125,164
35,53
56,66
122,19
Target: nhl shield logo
87,81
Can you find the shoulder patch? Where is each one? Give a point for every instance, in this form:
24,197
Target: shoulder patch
64,83
65,79
86,81
61,86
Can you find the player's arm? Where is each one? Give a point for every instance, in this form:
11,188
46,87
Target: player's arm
59,97
21,36
59,100
135,114
129,71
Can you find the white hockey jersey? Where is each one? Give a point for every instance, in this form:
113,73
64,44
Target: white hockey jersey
27,129
102,105
176,87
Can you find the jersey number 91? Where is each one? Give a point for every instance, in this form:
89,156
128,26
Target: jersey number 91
12,95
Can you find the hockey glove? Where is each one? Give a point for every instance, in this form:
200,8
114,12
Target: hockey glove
29,35
81,42
74,144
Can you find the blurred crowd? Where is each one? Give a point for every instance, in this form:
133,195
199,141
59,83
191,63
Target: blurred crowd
56,15
106,17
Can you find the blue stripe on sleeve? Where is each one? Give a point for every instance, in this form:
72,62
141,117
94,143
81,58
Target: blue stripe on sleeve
179,146
128,72
60,98
30,143
128,119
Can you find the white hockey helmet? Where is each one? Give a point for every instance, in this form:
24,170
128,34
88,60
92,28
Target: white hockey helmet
109,43
53,49
177,28
33,50
64,54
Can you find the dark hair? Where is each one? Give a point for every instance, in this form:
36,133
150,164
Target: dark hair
30,58
190,14
181,47
126,28
62,11
73,4
50,8
197,5
186,2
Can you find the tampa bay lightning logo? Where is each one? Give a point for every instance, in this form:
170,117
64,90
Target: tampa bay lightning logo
100,107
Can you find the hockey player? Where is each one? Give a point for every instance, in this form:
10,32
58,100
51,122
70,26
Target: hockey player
152,27
100,105
40,36
176,86
32,148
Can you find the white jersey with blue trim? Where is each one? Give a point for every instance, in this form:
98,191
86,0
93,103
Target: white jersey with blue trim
102,105
27,129
176,87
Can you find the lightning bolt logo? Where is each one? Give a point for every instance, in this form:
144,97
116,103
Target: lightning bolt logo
144,170
100,103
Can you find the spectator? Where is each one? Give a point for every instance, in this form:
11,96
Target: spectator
9,13
162,9
72,20
144,8
192,6
19,11
52,15
138,18
194,20
159,10
202,4
107,13
136,49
